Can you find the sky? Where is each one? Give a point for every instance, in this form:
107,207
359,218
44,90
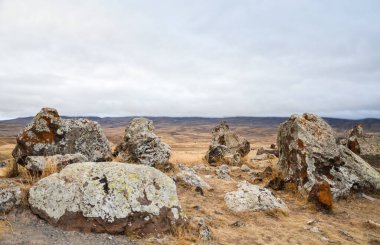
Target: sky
214,58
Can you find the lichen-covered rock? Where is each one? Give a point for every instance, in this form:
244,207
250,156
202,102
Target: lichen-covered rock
226,147
223,172
37,164
250,197
117,198
141,145
10,195
309,155
189,177
49,134
367,146
267,150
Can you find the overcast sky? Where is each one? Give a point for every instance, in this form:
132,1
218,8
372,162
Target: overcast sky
190,58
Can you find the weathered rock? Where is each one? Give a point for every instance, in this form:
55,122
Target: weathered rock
226,147
309,155
365,145
117,198
267,150
37,164
141,145
250,197
190,177
10,195
49,134
223,172
245,168
8,168
264,156
204,231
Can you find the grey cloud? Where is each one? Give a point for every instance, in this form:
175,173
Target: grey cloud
186,58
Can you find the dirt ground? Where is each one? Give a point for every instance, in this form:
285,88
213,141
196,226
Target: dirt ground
301,224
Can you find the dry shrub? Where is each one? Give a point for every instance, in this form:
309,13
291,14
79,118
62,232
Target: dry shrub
50,168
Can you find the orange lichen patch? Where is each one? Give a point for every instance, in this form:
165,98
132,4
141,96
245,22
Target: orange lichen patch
321,195
300,144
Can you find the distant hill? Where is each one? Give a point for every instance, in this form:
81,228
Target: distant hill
11,127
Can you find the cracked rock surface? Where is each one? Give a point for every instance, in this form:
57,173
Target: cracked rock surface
309,156
141,145
108,197
226,147
49,134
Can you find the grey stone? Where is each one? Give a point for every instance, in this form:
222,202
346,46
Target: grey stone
141,145
49,134
117,198
10,195
250,197
309,155
226,147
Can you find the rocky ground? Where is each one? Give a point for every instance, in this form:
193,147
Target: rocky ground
302,223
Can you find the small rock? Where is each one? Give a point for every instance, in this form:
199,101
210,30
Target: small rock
263,156
10,195
250,197
266,150
311,222
346,234
314,229
373,224
245,168
238,224
189,177
368,197
223,172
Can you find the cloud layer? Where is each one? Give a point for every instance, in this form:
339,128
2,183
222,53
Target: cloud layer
190,58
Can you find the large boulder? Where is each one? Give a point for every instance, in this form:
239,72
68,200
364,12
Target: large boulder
117,198
309,156
367,146
10,195
250,197
49,134
141,145
226,147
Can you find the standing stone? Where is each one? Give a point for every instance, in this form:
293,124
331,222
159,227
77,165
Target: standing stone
117,198
37,164
141,145
309,156
365,145
226,147
49,134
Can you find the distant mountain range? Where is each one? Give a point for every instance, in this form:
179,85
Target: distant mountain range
12,127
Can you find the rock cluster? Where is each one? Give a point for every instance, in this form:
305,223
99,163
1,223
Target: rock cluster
309,156
49,134
226,147
117,198
10,195
141,145
365,145
250,197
